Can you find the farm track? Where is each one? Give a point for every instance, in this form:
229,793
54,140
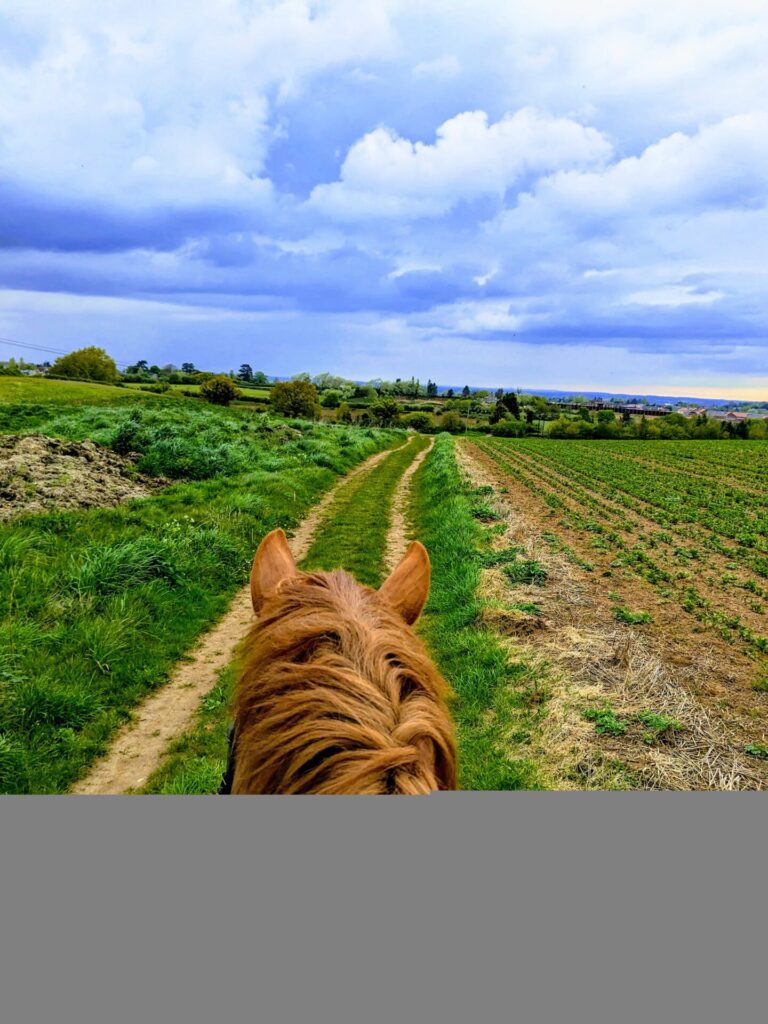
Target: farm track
138,747
726,614
666,667
399,530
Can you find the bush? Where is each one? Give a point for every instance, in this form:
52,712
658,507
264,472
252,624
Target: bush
452,422
421,421
385,411
90,363
508,428
330,399
295,398
219,390
344,415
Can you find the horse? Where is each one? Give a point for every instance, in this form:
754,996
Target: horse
337,694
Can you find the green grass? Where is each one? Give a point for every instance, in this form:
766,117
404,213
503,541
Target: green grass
97,606
40,389
354,531
351,536
498,702
629,618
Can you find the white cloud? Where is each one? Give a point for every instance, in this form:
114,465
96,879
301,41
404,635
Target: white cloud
721,164
385,175
139,104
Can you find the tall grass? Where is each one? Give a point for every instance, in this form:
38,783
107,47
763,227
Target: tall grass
492,710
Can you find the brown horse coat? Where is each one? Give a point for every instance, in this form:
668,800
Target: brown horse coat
337,694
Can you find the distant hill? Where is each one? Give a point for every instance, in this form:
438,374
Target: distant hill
622,395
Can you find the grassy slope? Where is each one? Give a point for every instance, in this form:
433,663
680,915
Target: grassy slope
353,536
494,710
39,389
97,606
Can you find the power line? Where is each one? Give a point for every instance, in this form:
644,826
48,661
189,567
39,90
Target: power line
44,348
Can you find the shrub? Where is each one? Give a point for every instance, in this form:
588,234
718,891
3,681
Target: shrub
330,399
219,390
294,398
508,428
452,422
385,411
421,421
344,414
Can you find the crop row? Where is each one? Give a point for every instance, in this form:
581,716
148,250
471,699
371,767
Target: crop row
622,523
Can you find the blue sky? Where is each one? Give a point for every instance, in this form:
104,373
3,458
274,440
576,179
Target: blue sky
543,193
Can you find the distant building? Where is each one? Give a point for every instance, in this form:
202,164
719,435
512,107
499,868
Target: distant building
729,417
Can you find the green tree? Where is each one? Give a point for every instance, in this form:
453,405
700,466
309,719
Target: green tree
465,392
219,389
385,411
90,363
245,373
330,399
295,398
499,412
452,422
187,367
344,414
510,402
261,379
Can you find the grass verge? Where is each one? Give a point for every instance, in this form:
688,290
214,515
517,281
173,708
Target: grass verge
497,703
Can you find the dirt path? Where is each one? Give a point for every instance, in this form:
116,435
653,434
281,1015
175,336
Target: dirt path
138,747
588,658
399,536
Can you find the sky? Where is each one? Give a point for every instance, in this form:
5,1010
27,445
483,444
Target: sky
534,194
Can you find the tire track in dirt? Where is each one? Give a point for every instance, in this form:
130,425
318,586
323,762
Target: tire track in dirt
138,747
399,535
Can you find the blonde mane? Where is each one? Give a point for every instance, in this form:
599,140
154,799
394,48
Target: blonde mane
338,695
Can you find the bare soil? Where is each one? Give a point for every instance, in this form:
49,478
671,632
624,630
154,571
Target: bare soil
669,668
138,747
399,535
40,473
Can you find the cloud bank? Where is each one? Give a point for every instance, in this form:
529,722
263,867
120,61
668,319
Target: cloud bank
534,196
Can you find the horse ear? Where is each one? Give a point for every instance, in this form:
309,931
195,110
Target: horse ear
272,564
406,589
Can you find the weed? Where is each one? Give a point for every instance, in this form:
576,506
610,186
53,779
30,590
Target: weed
606,721
658,726
622,614
526,571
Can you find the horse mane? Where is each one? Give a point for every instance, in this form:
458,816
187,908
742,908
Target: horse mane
338,695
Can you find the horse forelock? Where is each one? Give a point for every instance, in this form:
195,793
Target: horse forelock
338,695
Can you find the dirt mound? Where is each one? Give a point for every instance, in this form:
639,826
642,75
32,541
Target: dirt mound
40,473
